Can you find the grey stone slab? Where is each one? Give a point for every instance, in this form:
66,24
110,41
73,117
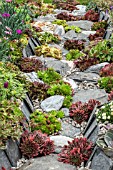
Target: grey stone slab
57,65
69,130
4,162
59,30
86,95
52,103
66,111
32,77
83,76
96,68
48,163
101,162
48,17
13,152
70,35
83,24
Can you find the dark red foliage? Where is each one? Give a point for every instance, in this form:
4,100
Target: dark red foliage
91,15
69,17
99,34
110,96
74,44
76,152
35,144
38,90
84,62
107,70
30,64
80,112
68,5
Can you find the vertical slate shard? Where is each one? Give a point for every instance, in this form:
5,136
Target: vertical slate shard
4,161
25,111
13,152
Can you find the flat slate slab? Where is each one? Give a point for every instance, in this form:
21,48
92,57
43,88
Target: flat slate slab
69,130
86,95
48,163
57,65
101,162
83,24
83,76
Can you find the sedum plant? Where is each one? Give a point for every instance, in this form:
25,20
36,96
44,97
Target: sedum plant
49,76
36,144
48,51
74,54
105,113
46,122
76,152
10,118
80,112
38,90
106,83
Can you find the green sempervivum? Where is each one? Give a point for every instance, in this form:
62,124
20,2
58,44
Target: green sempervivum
48,51
48,38
46,122
60,22
64,89
10,118
72,27
106,83
49,76
74,54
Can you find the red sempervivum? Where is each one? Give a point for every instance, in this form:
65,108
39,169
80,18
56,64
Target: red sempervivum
36,144
81,111
107,70
76,152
